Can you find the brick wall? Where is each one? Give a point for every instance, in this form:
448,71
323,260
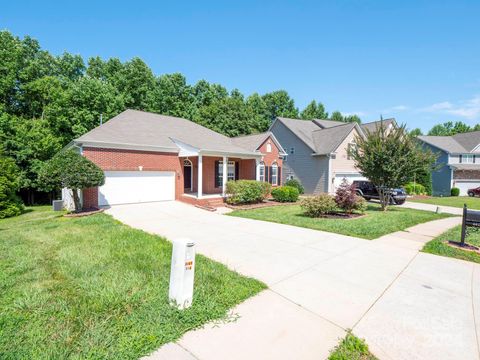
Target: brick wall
131,160
270,157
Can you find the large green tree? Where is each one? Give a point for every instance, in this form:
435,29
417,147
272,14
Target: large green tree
10,204
314,110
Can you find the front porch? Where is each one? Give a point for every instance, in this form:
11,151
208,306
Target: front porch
203,176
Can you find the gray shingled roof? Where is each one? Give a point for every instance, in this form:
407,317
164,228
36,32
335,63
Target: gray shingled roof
302,128
372,126
323,123
466,166
328,140
139,128
322,136
459,143
251,142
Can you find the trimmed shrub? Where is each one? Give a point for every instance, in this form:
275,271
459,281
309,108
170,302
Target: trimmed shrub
296,184
285,194
319,205
455,191
247,191
10,204
415,189
360,205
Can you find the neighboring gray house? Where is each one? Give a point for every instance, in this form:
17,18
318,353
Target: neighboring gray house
317,151
458,161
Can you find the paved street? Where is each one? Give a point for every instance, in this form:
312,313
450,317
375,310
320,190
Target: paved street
406,304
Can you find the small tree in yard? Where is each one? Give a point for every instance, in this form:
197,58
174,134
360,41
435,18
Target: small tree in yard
68,169
346,196
10,204
389,158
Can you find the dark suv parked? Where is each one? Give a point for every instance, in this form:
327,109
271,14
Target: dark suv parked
369,191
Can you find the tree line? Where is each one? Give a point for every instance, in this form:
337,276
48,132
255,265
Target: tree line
47,100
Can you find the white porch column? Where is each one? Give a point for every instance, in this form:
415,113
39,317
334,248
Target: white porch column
200,177
257,169
225,176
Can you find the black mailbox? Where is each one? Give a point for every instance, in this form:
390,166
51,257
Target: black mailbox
470,218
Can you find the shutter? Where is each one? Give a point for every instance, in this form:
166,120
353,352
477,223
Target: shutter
265,173
237,170
270,174
217,174
460,159
474,159
279,176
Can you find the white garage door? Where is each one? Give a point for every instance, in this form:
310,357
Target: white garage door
127,187
350,178
464,185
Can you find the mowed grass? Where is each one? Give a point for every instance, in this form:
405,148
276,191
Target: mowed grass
454,201
94,288
374,224
438,245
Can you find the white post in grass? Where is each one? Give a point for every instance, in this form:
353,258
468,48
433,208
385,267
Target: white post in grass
182,273
225,176
200,177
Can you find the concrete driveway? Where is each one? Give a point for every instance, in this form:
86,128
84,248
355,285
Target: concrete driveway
406,304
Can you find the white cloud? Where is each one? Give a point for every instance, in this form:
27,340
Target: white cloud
395,108
358,113
468,109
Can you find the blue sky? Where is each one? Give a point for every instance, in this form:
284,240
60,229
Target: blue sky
418,61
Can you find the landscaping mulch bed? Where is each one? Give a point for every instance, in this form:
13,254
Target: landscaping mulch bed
85,212
266,203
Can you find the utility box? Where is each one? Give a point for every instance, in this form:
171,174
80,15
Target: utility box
182,273
57,205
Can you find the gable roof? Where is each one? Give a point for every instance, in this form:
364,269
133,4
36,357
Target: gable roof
372,126
459,143
254,141
139,129
301,128
328,140
321,136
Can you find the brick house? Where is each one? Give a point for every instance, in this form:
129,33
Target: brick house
149,157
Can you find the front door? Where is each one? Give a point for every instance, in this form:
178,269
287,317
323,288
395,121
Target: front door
187,175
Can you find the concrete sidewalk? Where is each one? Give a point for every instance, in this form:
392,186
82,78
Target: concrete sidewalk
401,301
429,207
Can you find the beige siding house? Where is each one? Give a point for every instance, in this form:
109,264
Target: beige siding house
317,151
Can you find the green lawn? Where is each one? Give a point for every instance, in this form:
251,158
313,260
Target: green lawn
454,201
92,287
351,348
375,224
438,247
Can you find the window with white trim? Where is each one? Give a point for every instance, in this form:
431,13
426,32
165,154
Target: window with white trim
230,171
274,174
467,159
269,148
261,171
